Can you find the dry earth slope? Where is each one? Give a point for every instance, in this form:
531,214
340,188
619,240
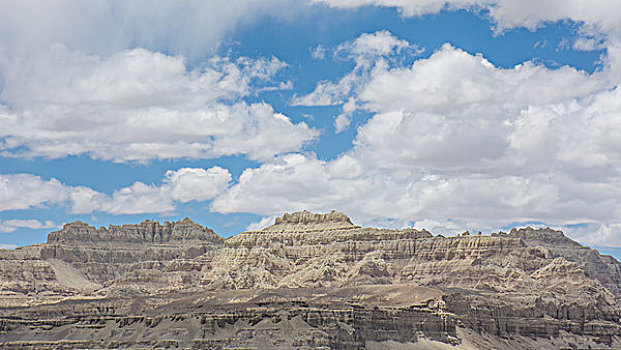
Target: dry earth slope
309,281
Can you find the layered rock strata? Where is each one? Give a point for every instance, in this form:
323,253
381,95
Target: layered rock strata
308,281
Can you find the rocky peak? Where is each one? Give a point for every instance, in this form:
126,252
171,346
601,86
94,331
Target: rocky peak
543,237
76,230
148,231
302,221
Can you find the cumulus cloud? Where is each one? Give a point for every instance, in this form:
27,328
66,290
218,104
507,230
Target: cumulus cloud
138,105
602,14
455,142
105,27
180,186
298,177
136,199
368,50
371,195
595,234
23,191
304,182
261,224
341,122
196,184
98,85
456,111
443,203
370,45
599,22
14,224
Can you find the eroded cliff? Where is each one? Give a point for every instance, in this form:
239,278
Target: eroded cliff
308,281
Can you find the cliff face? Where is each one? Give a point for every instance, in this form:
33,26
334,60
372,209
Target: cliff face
147,232
316,278
604,268
106,254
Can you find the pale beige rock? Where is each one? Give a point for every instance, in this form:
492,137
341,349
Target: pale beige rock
308,281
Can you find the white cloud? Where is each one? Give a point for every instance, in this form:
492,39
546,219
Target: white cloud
261,224
407,7
137,199
341,123
180,186
7,246
588,44
196,184
138,105
14,224
599,21
372,195
85,200
318,53
368,50
455,111
445,227
453,78
371,45
24,191
302,183
597,234
453,139
191,27
97,85
602,14
457,143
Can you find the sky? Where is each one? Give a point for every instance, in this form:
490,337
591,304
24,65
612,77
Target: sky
449,115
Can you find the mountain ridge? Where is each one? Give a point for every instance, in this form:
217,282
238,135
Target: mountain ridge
527,284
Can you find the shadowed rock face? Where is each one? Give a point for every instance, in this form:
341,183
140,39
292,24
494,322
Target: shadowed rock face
147,232
107,254
308,281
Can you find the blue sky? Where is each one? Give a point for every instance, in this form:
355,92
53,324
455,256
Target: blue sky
447,115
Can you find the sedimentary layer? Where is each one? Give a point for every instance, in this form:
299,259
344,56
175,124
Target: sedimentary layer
308,281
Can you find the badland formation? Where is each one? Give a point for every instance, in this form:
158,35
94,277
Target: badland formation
310,281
